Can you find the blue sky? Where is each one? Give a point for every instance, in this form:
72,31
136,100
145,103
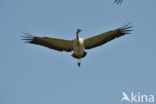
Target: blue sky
31,74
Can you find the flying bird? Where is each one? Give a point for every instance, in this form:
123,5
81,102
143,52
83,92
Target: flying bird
118,1
78,46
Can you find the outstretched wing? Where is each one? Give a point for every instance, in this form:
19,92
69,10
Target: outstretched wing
118,1
53,43
107,36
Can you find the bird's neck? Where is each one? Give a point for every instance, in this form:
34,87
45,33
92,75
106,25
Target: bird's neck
77,36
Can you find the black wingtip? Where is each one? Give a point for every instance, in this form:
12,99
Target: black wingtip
126,28
28,38
118,2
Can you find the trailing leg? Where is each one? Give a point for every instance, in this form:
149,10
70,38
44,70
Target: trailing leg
79,62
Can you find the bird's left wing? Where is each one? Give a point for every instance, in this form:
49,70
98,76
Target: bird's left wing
107,36
53,43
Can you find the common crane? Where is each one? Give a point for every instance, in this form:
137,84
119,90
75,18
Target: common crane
79,45
118,1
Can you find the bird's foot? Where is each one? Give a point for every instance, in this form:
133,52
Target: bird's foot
78,64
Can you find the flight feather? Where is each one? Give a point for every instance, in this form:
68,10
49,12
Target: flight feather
53,43
107,36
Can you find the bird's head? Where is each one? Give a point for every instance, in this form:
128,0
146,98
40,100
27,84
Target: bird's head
77,33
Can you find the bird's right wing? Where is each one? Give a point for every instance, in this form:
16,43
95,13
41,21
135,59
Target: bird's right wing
106,36
53,43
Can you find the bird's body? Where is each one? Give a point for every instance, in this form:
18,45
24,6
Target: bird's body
78,49
78,46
